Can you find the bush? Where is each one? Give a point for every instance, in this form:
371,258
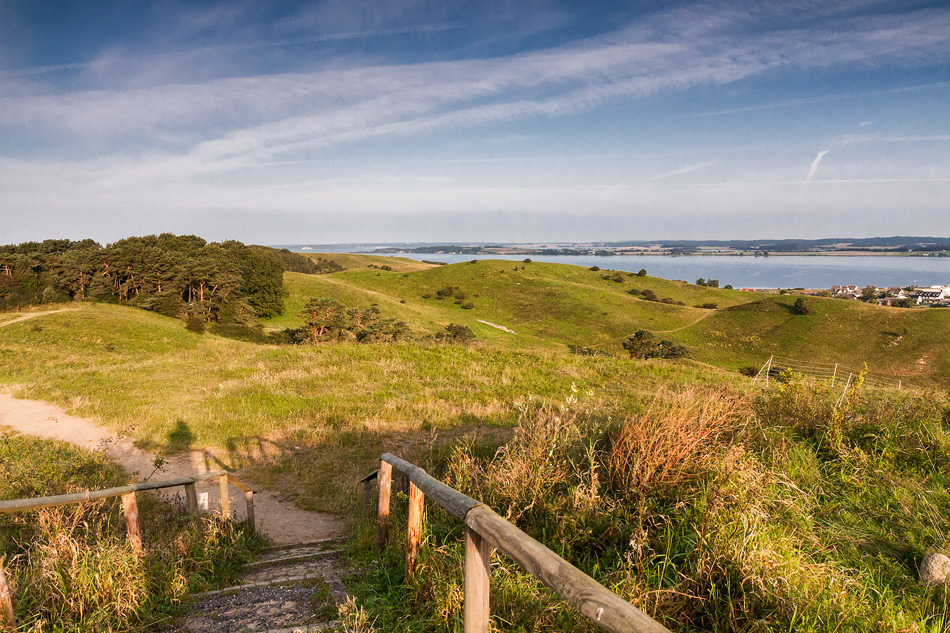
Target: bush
642,272
455,333
708,306
801,307
643,345
194,321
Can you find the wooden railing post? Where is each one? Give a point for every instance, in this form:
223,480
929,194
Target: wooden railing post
131,511
414,531
225,496
477,568
192,496
6,601
385,479
249,496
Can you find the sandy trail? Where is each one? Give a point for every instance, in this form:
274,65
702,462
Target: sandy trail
281,521
33,315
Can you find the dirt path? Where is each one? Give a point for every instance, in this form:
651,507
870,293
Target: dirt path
281,521
683,327
34,315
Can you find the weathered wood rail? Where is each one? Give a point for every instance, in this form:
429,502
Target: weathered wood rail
485,529
129,510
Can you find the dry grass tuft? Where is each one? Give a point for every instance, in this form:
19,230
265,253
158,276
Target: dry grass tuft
672,438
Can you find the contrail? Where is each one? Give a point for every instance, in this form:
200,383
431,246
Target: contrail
814,164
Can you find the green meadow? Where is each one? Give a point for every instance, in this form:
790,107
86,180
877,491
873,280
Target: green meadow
745,509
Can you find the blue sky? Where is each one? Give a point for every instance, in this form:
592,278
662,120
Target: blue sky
417,120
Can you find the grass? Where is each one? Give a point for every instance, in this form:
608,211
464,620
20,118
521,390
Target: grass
551,306
712,508
775,511
254,402
71,568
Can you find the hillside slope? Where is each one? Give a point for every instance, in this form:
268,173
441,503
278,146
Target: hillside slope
556,305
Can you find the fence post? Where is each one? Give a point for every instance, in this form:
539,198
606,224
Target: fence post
833,374
414,531
249,497
6,600
225,496
768,371
385,480
477,568
192,496
131,511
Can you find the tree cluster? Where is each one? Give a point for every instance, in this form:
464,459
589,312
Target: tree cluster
644,344
171,274
328,320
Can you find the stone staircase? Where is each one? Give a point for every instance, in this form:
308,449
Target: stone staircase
289,589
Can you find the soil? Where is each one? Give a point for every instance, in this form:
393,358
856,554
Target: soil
280,520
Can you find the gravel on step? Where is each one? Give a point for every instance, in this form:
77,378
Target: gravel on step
258,609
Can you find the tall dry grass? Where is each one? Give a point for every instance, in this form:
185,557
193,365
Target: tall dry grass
674,437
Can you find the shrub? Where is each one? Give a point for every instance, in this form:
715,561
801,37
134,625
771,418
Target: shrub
708,306
595,268
455,333
642,272
446,292
195,321
801,307
643,345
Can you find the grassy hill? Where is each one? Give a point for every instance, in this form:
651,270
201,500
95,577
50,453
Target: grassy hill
551,306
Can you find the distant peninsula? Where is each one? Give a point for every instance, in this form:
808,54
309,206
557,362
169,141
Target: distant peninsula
897,246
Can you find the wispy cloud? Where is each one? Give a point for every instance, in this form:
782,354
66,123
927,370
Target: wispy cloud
263,116
681,171
814,164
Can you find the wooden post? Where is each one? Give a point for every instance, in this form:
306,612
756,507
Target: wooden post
414,531
477,568
385,480
225,496
192,498
249,496
131,511
6,601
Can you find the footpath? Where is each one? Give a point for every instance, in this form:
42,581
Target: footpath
294,585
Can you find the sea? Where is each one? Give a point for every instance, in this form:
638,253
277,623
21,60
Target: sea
774,271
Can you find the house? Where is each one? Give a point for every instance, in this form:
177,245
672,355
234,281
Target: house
846,292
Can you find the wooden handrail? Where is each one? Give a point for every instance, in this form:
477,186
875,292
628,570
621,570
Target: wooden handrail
129,510
486,529
37,503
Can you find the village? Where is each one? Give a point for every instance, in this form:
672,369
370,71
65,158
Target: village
895,295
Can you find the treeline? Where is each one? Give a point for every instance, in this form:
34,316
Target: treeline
175,275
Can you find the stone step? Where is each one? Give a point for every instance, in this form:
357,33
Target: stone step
290,556
290,589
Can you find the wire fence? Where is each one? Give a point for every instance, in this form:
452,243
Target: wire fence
832,373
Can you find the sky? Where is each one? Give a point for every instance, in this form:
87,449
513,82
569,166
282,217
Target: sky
532,121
